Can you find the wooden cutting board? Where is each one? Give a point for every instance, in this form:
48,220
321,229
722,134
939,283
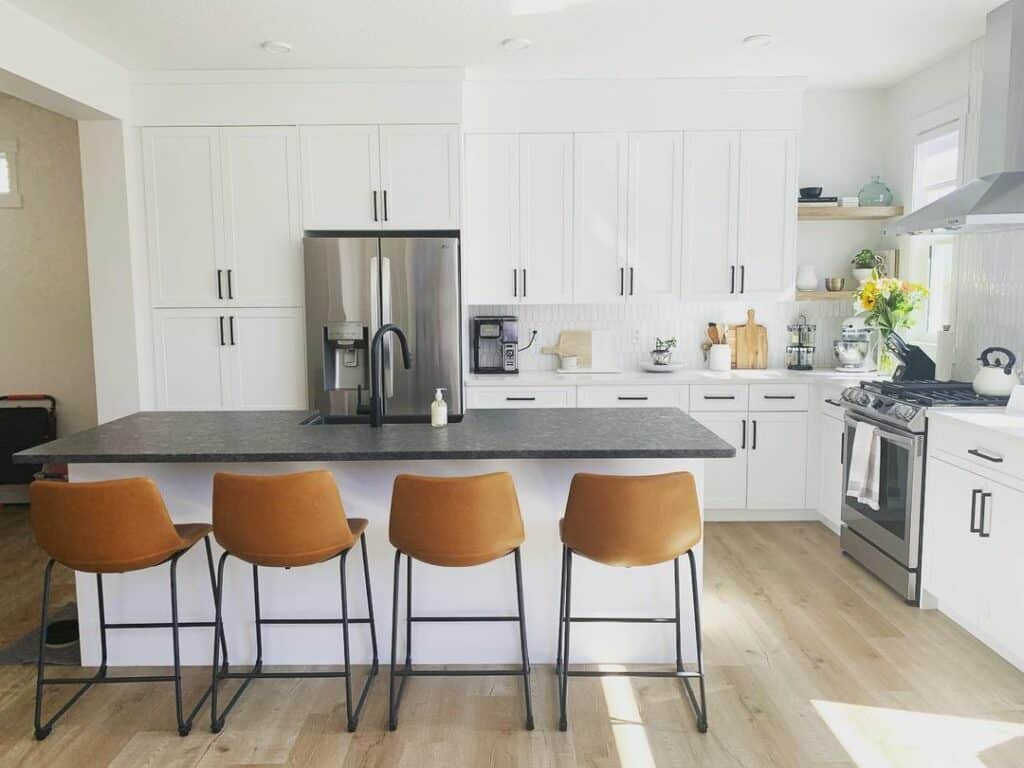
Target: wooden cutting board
749,342
578,344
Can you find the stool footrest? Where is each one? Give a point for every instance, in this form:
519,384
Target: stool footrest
99,680
311,621
461,672
272,675
157,625
621,619
444,619
629,673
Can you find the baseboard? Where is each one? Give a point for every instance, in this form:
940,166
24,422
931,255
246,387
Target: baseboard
832,526
760,515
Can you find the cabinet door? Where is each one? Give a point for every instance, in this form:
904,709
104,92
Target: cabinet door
266,359
184,215
419,169
1004,580
545,218
655,215
599,218
710,200
725,480
188,353
263,236
490,238
767,213
341,177
777,461
833,437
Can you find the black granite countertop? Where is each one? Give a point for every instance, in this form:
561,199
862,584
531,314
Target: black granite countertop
230,436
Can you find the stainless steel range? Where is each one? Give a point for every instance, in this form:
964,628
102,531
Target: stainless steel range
887,541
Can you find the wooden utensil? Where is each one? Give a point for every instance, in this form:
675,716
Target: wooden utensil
750,343
713,333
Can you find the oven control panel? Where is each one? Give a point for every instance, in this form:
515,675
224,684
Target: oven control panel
883,408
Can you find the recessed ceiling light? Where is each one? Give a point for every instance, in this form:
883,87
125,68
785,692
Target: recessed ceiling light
276,46
516,43
760,40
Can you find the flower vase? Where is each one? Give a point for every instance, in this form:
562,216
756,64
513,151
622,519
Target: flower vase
886,359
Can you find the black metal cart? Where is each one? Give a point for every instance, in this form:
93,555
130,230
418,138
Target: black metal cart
21,427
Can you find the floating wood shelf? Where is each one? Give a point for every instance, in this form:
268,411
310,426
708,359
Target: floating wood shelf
840,213
825,295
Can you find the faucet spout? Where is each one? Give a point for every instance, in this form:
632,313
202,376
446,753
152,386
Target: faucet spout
377,369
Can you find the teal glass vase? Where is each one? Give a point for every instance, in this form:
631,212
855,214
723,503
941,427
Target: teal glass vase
874,193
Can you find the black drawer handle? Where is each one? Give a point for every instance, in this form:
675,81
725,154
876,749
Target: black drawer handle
985,456
520,399
753,444
780,397
638,397
830,401
981,519
743,436
974,510
719,397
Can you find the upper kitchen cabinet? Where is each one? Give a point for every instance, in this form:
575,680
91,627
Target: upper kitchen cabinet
767,217
184,215
490,237
222,216
380,177
599,218
341,177
419,172
655,217
710,211
545,218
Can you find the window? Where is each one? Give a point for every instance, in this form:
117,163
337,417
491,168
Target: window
9,197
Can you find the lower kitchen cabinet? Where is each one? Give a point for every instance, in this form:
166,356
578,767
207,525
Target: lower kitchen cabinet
517,396
212,359
776,460
657,396
725,480
833,444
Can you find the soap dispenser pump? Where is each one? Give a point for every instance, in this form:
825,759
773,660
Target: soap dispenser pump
439,409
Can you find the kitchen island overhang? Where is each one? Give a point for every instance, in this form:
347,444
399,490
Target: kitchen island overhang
542,449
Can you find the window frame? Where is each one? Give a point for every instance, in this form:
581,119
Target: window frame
11,198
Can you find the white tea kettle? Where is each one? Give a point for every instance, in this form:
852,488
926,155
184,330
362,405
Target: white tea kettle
996,377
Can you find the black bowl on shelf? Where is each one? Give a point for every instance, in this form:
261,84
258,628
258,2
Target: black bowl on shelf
810,191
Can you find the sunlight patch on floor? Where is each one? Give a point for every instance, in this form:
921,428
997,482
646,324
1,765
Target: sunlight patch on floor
627,726
878,737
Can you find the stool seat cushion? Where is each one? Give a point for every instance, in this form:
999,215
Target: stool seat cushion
632,520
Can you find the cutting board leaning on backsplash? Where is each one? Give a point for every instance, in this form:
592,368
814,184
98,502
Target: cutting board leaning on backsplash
749,343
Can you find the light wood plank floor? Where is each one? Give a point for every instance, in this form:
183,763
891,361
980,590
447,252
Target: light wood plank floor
811,662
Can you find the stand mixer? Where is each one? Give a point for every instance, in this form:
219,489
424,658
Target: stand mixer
857,348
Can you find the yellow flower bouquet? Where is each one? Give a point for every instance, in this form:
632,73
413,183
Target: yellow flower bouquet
889,303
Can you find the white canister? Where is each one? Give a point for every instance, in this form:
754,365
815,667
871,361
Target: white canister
806,278
944,351
570,362
720,357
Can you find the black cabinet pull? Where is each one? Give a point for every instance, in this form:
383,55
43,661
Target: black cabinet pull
375,205
231,291
753,444
220,290
830,401
842,448
221,324
630,281
780,397
743,435
743,278
629,397
732,279
524,282
622,281
385,205
985,456
515,282
520,399
719,397
974,510
231,329
981,520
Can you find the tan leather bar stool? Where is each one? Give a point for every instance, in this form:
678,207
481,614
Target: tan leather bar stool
287,521
454,522
114,526
627,522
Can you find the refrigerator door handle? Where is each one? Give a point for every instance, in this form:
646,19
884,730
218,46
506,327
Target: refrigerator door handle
389,356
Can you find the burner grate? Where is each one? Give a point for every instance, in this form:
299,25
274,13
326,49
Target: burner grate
930,393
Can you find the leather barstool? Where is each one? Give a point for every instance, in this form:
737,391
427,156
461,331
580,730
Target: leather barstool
287,521
114,526
627,522
454,522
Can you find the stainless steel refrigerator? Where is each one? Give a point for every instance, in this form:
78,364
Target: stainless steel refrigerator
356,284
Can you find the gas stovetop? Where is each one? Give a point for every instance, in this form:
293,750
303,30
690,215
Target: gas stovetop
904,403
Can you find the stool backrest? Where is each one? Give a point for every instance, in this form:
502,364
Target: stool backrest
271,519
632,520
456,521
106,527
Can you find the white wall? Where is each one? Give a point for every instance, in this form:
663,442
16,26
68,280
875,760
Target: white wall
46,341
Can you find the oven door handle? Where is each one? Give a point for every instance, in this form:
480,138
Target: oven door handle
906,439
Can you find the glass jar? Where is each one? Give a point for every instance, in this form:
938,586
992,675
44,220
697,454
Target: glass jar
874,193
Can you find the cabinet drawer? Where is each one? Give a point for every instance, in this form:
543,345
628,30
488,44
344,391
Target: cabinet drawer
521,397
632,397
976,448
778,397
718,397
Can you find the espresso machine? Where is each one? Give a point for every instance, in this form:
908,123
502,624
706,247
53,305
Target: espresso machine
495,340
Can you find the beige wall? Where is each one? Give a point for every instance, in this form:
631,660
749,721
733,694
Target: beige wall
45,327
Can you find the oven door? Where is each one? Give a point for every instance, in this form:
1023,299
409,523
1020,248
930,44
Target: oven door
895,526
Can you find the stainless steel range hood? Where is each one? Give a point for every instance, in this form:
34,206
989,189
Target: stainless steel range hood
996,199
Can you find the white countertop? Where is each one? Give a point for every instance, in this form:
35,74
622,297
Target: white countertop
991,419
690,376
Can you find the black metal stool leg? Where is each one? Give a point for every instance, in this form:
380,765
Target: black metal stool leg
561,624
563,720
103,626
392,699
351,719
408,613
522,640
369,603
183,727
213,587
259,617
700,711
218,626
41,731
679,623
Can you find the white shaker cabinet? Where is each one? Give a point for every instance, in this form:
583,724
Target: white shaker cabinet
777,460
545,218
187,353
341,177
833,445
419,176
710,212
655,192
725,480
267,359
599,218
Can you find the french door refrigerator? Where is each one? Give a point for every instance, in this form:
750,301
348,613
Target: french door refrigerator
354,285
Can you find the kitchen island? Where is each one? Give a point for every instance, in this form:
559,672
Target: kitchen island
541,448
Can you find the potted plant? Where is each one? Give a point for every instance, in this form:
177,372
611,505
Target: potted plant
662,352
888,304
864,265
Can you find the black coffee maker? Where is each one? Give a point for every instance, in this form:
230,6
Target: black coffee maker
495,344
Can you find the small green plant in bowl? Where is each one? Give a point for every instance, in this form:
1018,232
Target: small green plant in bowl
662,352
865,264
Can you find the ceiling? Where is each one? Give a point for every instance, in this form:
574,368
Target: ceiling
851,43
